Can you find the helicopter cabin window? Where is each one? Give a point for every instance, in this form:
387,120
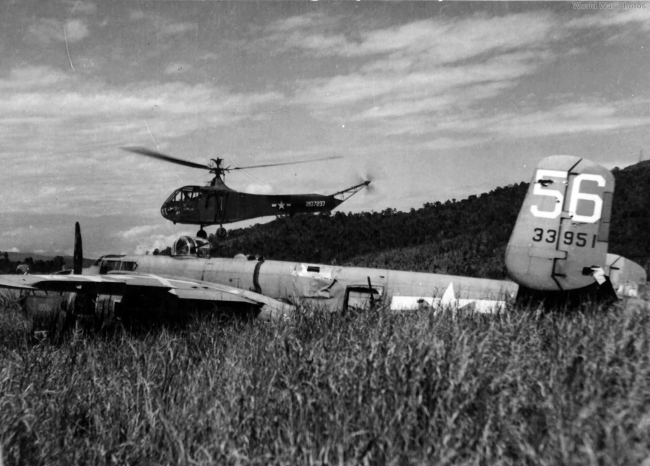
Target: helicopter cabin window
184,194
175,196
190,194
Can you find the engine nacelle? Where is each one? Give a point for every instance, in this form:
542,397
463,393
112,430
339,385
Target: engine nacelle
107,310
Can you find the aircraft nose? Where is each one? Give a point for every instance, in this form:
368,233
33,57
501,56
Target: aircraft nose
166,211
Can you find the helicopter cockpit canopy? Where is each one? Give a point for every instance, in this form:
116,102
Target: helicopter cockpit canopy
188,246
185,193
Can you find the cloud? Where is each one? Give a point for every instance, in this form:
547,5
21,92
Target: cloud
80,7
33,77
138,231
177,68
51,99
438,79
424,42
618,16
414,73
45,31
152,23
159,242
75,30
588,116
572,118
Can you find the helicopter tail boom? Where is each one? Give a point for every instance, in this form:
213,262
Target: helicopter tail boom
348,193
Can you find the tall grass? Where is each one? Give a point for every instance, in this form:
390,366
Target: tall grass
371,388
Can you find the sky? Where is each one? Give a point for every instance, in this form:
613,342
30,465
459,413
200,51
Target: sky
431,100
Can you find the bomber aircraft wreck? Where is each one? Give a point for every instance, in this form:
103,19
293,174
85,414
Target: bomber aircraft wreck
558,243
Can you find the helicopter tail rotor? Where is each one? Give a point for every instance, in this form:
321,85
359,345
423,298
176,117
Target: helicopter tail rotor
370,186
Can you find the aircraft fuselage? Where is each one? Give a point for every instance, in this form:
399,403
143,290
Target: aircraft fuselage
333,287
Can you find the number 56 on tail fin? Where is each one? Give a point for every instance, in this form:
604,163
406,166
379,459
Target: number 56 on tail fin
563,227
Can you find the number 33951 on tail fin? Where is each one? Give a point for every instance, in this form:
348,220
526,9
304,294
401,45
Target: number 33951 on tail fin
563,227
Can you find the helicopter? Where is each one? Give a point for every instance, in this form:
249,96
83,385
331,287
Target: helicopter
218,204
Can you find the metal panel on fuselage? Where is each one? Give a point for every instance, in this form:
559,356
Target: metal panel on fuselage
410,289
238,272
327,285
233,272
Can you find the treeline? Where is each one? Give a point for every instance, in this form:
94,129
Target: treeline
630,227
8,266
456,237
466,237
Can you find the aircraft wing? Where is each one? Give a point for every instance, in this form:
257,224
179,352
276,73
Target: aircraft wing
121,282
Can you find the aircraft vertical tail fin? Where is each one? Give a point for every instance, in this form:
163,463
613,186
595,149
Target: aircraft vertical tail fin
562,229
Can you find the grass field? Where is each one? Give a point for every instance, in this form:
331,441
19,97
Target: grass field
371,388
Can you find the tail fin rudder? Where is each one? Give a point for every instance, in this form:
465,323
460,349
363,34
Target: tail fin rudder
562,229
628,278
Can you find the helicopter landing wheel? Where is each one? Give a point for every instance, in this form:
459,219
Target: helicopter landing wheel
201,234
222,232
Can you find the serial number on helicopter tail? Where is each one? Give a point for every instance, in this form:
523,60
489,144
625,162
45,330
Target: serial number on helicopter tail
315,203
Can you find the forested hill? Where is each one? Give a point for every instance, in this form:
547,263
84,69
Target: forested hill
466,237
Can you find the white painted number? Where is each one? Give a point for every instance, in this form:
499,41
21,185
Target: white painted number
542,191
576,196
315,203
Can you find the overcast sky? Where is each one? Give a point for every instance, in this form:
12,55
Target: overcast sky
434,100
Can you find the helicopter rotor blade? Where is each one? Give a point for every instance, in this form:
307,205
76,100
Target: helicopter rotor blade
167,158
286,163
248,174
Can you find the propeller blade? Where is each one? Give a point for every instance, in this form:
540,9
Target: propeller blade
167,158
286,163
78,257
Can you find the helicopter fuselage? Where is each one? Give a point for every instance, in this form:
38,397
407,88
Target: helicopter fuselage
216,205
